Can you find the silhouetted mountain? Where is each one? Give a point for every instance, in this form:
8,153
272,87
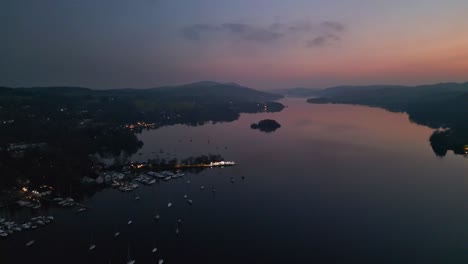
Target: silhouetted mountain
299,92
220,91
345,90
200,91
332,91
433,105
438,105
64,90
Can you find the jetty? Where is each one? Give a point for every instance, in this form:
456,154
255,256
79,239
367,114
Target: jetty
206,165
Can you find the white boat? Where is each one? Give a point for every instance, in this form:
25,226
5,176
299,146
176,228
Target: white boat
92,245
177,231
129,261
117,234
161,261
30,243
130,222
154,250
137,198
51,218
202,187
3,234
23,203
157,217
81,210
185,196
190,202
169,204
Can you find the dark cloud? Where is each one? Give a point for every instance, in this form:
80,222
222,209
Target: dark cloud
329,33
241,30
301,27
263,35
193,32
237,28
323,40
333,26
276,26
315,35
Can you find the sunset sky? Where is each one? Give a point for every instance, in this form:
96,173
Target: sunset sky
263,44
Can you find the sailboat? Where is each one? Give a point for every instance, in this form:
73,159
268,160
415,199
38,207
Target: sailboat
92,246
129,261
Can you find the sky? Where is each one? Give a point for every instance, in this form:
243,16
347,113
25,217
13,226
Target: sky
263,44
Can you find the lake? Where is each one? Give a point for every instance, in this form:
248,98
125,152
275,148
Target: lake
334,184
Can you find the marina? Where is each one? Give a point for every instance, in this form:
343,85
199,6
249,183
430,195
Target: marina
9,228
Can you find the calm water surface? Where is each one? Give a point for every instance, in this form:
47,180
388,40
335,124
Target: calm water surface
335,184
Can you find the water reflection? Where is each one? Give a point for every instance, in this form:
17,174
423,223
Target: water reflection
336,184
444,140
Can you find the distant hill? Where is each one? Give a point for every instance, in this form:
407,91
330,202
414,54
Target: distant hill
220,91
298,92
436,105
331,91
349,89
198,91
